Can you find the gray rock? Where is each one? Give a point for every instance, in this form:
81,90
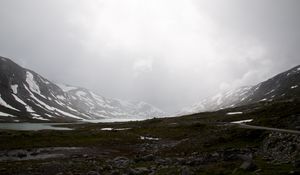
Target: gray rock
248,165
121,162
149,157
185,171
160,161
142,170
215,154
131,171
22,154
138,171
180,161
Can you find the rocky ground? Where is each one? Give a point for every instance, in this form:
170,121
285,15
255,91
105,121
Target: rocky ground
197,144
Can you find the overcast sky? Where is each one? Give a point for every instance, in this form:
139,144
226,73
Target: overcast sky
170,53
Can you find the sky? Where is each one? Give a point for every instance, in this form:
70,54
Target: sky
170,53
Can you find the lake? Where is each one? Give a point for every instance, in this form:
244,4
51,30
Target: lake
110,120
55,126
32,126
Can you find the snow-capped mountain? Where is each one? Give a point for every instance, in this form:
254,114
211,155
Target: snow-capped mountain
27,96
285,85
88,102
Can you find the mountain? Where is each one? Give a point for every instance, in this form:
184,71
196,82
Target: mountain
285,85
88,102
27,96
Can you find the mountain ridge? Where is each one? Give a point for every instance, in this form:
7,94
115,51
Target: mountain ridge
284,85
27,96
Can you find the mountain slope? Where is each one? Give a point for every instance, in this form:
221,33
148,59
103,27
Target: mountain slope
285,85
93,104
27,96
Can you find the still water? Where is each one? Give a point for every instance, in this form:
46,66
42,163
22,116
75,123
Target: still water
55,126
32,126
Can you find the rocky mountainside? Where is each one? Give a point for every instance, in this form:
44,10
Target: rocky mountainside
27,96
285,85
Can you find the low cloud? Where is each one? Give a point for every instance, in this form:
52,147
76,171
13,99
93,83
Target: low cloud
170,53
142,66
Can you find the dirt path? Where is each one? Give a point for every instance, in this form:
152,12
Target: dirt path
268,128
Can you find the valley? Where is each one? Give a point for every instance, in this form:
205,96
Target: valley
57,129
204,143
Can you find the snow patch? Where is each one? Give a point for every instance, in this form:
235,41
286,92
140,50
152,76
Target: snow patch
264,99
270,92
5,114
107,129
39,101
80,93
19,100
98,98
122,129
258,86
3,103
52,108
28,108
114,129
60,103
234,113
14,88
149,138
71,109
39,118
242,121
67,114
218,98
66,88
293,87
49,115
32,84
60,97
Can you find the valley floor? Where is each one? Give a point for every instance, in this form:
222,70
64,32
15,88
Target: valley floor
205,143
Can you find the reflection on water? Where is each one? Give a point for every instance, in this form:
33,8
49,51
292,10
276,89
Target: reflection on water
32,126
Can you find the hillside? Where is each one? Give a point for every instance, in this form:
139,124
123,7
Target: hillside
27,96
285,85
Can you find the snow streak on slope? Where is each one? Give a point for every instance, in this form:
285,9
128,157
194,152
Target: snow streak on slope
14,88
32,84
66,88
5,114
40,99
3,103
28,108
284,85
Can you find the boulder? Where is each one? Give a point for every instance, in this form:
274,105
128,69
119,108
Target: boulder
248,165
